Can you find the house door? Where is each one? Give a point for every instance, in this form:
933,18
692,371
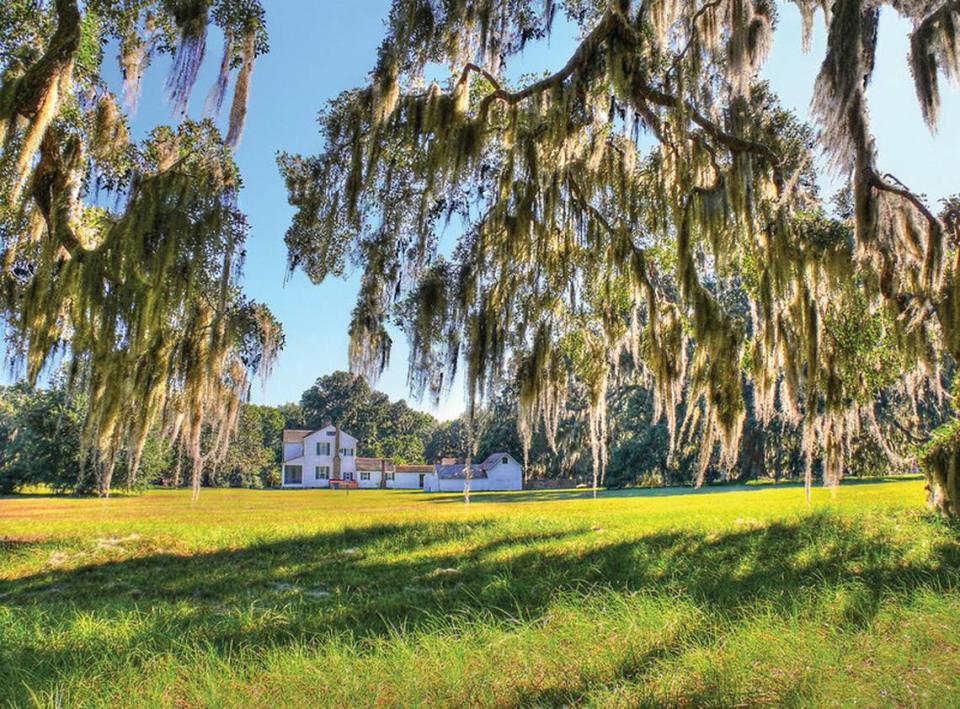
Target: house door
422,475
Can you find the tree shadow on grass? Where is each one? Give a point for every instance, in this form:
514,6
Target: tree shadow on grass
366,582
549,495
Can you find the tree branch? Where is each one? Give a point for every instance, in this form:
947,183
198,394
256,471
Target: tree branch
32,87
693,22
878,182
479,70
590,43
642,90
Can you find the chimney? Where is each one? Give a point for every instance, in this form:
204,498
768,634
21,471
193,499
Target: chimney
448,461
336,456
327,421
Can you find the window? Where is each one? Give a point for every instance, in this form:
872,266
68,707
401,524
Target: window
346,452
389,476
331,433
323,448
505,460
322,472
293,475
364,476
348,476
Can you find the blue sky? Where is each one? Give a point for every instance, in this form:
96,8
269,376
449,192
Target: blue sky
321,47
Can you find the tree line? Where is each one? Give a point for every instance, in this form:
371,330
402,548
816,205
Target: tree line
41,442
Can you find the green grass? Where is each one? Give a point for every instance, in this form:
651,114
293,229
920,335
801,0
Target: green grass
318,598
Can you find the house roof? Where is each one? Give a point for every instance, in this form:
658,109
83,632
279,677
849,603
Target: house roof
295,435
458,471
331,430
494,458
374,464
414,468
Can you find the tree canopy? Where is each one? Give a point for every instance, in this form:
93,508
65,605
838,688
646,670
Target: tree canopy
384,428
647,210
125,257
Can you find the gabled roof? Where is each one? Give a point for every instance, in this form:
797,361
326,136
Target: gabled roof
494,458
458,471
331,430
295,435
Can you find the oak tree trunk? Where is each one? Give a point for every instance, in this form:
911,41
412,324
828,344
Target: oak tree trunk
943,481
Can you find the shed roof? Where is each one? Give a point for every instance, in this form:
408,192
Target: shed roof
458,471
414,468
374,464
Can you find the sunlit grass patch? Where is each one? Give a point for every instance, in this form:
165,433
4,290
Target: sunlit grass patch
271,598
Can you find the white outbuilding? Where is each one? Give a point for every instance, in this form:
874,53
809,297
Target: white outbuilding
499,471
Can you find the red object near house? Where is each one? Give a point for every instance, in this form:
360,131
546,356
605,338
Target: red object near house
343,484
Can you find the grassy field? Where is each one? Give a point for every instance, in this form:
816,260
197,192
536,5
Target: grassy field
319,598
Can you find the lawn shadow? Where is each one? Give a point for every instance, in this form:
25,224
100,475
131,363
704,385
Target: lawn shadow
551,495
366,582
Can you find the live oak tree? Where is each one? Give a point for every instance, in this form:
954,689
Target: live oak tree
124,257
612,206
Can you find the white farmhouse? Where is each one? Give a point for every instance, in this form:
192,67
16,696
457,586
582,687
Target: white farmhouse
328,458
499,471
314,458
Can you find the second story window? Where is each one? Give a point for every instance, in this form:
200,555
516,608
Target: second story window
346,452
323,448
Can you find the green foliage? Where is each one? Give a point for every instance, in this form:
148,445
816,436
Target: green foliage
448,440
252,454
141,296
40,440
699,259
384,428
292,416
